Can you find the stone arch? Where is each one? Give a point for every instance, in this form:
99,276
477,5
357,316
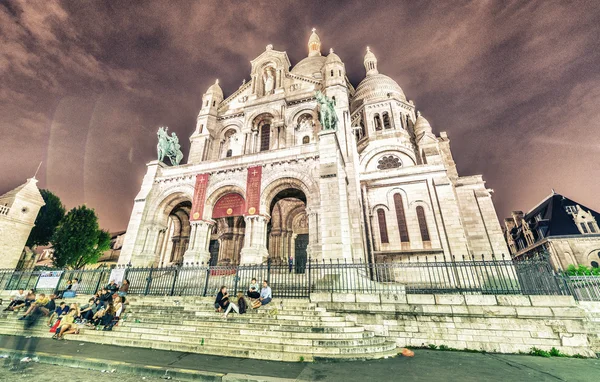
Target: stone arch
215,195
279,181
379,205
593,255
397,190
167,200
401,151
419,202
276,114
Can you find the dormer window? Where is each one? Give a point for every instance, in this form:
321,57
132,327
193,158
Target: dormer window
571,209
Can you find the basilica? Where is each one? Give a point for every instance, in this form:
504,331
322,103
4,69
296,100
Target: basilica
264,180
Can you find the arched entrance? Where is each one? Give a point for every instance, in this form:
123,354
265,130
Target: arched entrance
227,238
287,231
173,241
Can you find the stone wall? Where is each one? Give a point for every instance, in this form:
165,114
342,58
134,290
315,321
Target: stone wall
493,323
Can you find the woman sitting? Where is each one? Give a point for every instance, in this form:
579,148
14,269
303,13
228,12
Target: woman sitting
110,319
67,323
253,290
222,299
124,288
240,308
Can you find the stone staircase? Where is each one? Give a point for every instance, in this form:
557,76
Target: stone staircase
288,330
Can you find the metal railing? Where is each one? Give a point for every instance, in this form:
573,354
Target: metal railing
467,275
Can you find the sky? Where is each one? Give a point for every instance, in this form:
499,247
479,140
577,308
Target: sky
84,85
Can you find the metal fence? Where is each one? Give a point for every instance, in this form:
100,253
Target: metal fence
467,275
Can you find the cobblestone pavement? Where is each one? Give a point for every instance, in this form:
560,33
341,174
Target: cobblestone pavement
38,372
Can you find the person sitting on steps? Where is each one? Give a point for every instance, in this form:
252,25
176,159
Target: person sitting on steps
67,324
40,308
16,298
88,310
222,299
239,308
61,310
111,318
30,299
265,296
253,290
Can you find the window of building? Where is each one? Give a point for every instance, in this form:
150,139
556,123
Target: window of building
594,264
306,140
265,137
214,103
229,153
382,225
377,122
571,209
583,228
332,73
386,121
333,99
591,227
422,223
388,161
340,73
401,218
206,103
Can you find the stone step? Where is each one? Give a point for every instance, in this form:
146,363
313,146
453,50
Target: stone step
286,353
189,315
181,309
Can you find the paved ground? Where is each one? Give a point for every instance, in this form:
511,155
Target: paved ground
427,365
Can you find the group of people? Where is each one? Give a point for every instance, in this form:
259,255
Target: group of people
257,299
104,309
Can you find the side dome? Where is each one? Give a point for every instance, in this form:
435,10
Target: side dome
376,86
422,125
309,66
332,57
215,90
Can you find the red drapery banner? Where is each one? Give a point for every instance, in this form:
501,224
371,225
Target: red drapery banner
253,190
199,196
229,205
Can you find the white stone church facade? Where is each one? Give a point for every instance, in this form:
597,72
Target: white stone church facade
264,181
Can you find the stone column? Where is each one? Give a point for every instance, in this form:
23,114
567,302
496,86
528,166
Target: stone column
148,256
314,246
255,241
197,251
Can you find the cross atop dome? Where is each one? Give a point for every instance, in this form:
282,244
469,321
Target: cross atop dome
314,44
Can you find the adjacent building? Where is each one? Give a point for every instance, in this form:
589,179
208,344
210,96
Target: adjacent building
565,229
263,180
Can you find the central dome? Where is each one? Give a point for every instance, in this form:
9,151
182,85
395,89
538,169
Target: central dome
376,86
309,66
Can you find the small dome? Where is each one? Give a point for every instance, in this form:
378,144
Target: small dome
309,66
422,125
370,63
215,90
332,57
376,86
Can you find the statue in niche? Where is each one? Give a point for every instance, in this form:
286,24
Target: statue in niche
269,80
327,115
305,122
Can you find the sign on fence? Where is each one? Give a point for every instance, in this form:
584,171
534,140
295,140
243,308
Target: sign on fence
48,280
117,274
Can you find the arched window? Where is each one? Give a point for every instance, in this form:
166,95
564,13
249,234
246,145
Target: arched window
594,264
377,122
386,120
340,73
422,224
332,73
214,103
206,103
382,225
265,137
401,218
333,99
305,140
388,161
229,153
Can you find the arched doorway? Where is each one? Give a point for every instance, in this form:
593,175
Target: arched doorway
174,239
287,231
227,238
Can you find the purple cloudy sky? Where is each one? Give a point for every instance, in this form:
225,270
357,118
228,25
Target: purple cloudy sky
85,84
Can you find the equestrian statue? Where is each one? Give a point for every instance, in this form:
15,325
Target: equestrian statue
168,146
327,115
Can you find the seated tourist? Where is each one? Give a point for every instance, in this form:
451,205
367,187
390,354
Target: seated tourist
112,287
239,308
67,325
102,310
16,298
30,299
61,310
40,308
253,290
105,296
68,287
265,296
124,288
222,299
75,285
88,310
110,319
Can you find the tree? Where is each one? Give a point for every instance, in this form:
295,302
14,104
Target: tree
47,220
78,240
